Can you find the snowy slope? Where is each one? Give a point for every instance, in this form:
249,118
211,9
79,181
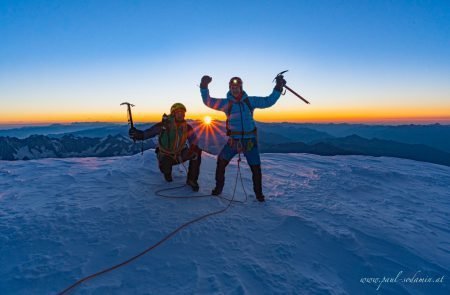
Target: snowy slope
328,223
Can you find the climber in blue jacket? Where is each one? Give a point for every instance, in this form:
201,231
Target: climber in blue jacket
241,128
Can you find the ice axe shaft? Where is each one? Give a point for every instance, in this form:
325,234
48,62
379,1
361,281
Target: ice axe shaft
130,121
288,88
296,94
130,117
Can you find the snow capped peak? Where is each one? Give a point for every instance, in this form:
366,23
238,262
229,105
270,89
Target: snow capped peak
69,145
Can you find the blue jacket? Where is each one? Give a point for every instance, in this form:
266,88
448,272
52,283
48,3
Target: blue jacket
235,121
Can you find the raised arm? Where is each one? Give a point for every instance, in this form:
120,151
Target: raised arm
259,102
268,101
219,104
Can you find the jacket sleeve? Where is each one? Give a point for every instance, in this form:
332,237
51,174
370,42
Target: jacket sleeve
258,102
213,103
152,131
192,136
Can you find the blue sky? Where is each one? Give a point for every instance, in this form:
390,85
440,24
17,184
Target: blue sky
88,56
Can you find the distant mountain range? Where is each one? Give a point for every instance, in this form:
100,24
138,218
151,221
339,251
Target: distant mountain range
356,145
433,135
56,129
40,146
429,143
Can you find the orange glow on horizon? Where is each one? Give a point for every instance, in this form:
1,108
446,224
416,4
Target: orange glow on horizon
304,114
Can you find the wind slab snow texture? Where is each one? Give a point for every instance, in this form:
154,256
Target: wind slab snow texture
327,223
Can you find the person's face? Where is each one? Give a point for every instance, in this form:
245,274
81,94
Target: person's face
179,115
235,90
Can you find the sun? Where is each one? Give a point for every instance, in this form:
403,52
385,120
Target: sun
207,120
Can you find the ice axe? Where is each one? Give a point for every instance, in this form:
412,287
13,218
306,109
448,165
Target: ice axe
280,75
130,121
130,117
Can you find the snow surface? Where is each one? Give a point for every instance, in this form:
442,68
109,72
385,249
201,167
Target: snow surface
327,223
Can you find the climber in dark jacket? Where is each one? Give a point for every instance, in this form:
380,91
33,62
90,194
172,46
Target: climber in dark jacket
173,133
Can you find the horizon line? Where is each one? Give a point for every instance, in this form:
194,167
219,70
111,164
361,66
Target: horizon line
423,121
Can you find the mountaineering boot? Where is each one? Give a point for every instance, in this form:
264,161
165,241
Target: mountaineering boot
193,184
216,191
220,176
261,198
168,177
257,182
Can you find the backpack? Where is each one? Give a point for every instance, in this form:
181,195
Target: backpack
172,138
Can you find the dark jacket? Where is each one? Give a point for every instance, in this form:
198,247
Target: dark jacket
156,130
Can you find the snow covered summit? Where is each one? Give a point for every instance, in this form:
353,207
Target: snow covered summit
331,225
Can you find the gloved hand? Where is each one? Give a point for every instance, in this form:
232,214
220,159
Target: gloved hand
205,81
280,83
136,134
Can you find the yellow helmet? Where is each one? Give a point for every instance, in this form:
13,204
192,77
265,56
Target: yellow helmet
177,106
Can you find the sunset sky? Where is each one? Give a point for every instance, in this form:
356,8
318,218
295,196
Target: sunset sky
356,61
